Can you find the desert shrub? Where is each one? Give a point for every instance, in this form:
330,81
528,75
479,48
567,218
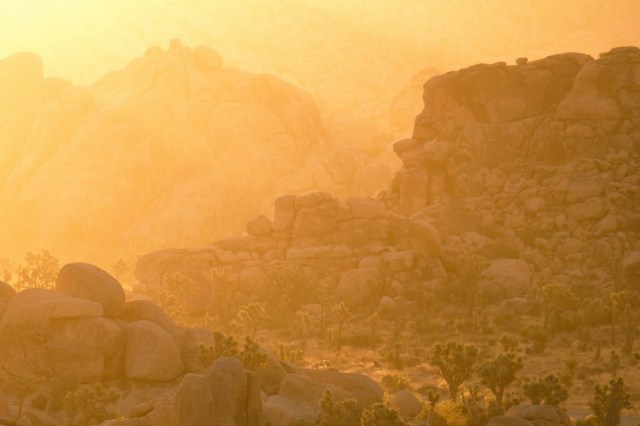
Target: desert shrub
39,270
452,413
223,346
89,405
394,383
337,413
252,318
286,288
546,390
174,289
290,354
251,357
379,414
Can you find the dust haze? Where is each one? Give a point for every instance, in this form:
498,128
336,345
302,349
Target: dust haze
319,213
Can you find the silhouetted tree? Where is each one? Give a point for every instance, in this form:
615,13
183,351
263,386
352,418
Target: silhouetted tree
337,413
252,318
626,306
342,314
546,390
455,362
40,270
380,415
558,300
609,401
499,373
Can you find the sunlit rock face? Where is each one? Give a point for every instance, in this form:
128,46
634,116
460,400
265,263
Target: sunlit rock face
551,110
174,149
170,144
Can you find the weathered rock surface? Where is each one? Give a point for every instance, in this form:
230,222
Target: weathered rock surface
37,327
544,415
225,395
89,282
406,403
554,109
151,353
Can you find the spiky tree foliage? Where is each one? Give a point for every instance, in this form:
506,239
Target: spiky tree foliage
337,413
175,287
455,362
609,401
341,314
626,306
546,390
252,318
88,405
251,357
380,415
558,301
499,373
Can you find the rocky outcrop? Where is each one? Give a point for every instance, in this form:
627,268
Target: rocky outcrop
346,241
554,109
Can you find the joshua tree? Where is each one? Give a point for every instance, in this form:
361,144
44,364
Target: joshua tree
380,415
499,373
546,390
468,271
337,413
455,362
626,306
342,314
558,299
252,317
608,401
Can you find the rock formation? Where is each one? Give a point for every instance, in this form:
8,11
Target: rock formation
173,124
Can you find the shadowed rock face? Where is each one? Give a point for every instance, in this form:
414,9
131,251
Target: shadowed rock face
551,110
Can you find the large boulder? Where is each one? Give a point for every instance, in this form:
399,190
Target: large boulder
406,403
543,415
362,387
305,394
151,353
355,286
87,281
605,89
224,395
37,329
513,276
85,350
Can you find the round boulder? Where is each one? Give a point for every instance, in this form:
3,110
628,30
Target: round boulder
406,403
151,353
87,281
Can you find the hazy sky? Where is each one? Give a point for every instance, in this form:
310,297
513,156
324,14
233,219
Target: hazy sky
312,42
